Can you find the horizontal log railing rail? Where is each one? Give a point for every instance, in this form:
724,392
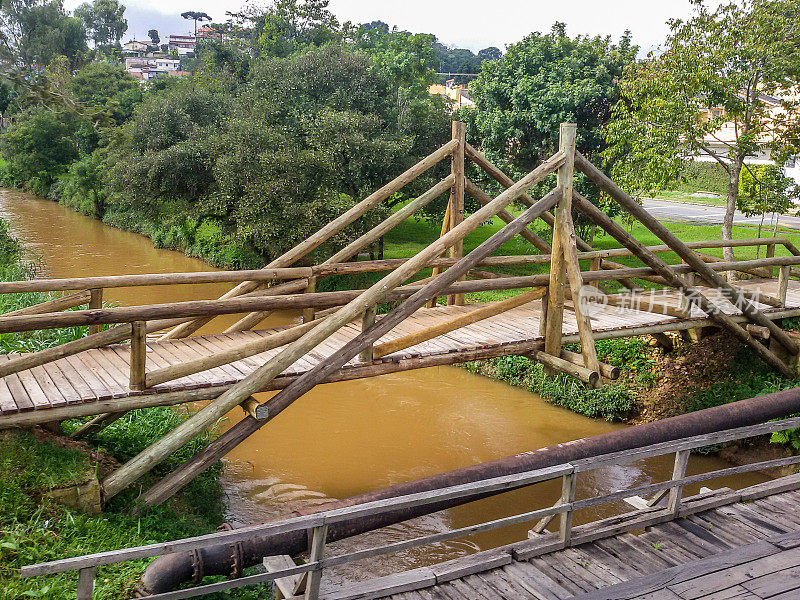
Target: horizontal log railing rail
566,506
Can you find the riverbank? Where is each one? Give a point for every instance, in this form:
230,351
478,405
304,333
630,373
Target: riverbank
36,466
655,384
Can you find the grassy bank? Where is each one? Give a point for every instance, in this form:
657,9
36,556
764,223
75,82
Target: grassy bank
35,528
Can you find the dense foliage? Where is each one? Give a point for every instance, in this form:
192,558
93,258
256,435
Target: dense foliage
723,87
542,81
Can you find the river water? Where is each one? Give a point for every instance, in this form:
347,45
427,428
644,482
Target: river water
346,438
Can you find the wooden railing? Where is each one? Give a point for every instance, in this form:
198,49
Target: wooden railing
318,523
137,321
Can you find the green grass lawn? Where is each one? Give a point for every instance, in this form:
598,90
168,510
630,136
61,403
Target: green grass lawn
687,198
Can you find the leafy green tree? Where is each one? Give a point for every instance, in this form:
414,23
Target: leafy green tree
33,33
108,86
105,21
154,37
765,189
490,53
289,25
542,81
726,62
39,147
193,15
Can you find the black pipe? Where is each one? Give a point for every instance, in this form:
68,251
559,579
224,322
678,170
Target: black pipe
168,572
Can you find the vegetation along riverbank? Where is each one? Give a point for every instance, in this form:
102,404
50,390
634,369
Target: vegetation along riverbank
48,483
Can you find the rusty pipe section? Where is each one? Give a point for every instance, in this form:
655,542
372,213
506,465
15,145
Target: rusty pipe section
167,572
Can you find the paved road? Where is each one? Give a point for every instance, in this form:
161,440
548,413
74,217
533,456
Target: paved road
704,214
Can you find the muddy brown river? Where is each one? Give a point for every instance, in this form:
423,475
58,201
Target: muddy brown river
347,438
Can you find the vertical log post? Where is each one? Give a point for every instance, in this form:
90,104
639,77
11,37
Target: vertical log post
95,301
445,228
558,267
138,354
85,583
457,197
595,265
783,283
568,485
316,553
367,321
308,313
770,253
543,317
678,472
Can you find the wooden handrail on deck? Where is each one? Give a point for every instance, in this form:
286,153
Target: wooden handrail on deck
566,506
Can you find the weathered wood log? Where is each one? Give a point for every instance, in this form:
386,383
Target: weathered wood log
685,253
559,365
479,314
55,305
151,279
96,424
457,198
210,413
331,229
438,269
95,302
783,284
367,321
669,273
484,198
138,362
169,485
254,318
606,370
757,331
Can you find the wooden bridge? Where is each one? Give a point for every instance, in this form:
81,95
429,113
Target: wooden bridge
343,337
721,544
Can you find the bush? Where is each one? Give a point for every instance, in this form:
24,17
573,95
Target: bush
704,176
612,402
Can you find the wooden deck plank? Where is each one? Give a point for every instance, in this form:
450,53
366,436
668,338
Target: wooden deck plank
34,390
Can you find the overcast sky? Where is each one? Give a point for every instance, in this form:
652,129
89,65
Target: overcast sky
467,23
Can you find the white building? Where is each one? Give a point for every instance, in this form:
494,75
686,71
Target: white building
726,136
183,45
147,68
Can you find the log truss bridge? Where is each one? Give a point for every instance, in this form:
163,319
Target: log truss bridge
342,337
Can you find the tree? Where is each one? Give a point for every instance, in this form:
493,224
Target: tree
289,25
33,33
195,16
765,189
154,37
725,62
105,21
540,82
490,53
106,86
39,147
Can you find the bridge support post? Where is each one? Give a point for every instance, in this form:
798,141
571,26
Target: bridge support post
564,261
457,197
138,355
95,301
316,553
678,473
568,486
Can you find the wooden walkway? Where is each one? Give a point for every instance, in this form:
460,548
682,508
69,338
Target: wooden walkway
747,550
103,373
